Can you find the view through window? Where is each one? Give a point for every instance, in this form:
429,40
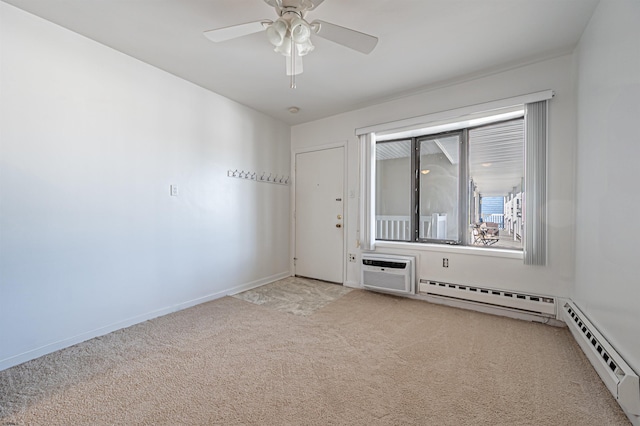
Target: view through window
463,187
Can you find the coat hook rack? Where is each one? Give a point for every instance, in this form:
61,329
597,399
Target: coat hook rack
264,178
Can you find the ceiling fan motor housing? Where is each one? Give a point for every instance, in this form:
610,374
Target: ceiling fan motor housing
298,6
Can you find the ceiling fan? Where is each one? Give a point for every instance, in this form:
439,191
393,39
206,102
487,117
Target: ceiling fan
290,33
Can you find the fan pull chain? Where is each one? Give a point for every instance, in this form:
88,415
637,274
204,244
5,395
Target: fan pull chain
293,64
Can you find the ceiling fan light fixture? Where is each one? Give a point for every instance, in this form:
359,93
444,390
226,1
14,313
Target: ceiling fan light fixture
285,47
290,29
276,32
300,30
304,48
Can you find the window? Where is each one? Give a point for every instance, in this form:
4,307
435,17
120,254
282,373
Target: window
524,217
461,187
438,189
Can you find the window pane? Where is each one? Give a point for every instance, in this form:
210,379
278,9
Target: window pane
496,173
439,187
393,190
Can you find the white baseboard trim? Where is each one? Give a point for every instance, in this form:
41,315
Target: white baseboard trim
258,283
65,343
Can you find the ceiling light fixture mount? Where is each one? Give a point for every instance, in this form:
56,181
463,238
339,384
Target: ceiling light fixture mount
290,33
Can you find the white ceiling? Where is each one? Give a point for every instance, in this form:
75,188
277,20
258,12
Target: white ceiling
422,43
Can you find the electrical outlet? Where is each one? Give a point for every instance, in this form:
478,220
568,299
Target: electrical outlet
445,262
174,190
352,257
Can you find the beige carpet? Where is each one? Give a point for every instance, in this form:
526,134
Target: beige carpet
363,359
295,295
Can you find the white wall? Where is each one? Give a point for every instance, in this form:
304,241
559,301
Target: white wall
504,273
608,194
90,239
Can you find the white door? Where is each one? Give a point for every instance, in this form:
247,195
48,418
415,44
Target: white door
319,214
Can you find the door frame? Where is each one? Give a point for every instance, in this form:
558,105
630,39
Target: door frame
345,223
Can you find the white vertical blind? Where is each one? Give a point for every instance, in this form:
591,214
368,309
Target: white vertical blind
535,193
368,195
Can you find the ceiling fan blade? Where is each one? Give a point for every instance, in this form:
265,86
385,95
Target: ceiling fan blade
235,31
352,39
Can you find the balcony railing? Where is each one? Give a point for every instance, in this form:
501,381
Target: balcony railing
495,218
398,228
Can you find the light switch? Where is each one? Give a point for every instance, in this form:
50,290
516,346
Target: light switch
174,190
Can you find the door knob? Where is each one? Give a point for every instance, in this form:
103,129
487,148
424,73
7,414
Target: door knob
338,225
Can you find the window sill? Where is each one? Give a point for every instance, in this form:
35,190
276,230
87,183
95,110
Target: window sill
466,250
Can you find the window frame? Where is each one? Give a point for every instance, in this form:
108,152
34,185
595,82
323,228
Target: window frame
461,173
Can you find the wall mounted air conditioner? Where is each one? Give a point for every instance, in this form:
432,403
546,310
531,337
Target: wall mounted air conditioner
620,379
388,273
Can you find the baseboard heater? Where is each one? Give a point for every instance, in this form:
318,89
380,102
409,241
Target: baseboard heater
388,273
527,303
620,379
